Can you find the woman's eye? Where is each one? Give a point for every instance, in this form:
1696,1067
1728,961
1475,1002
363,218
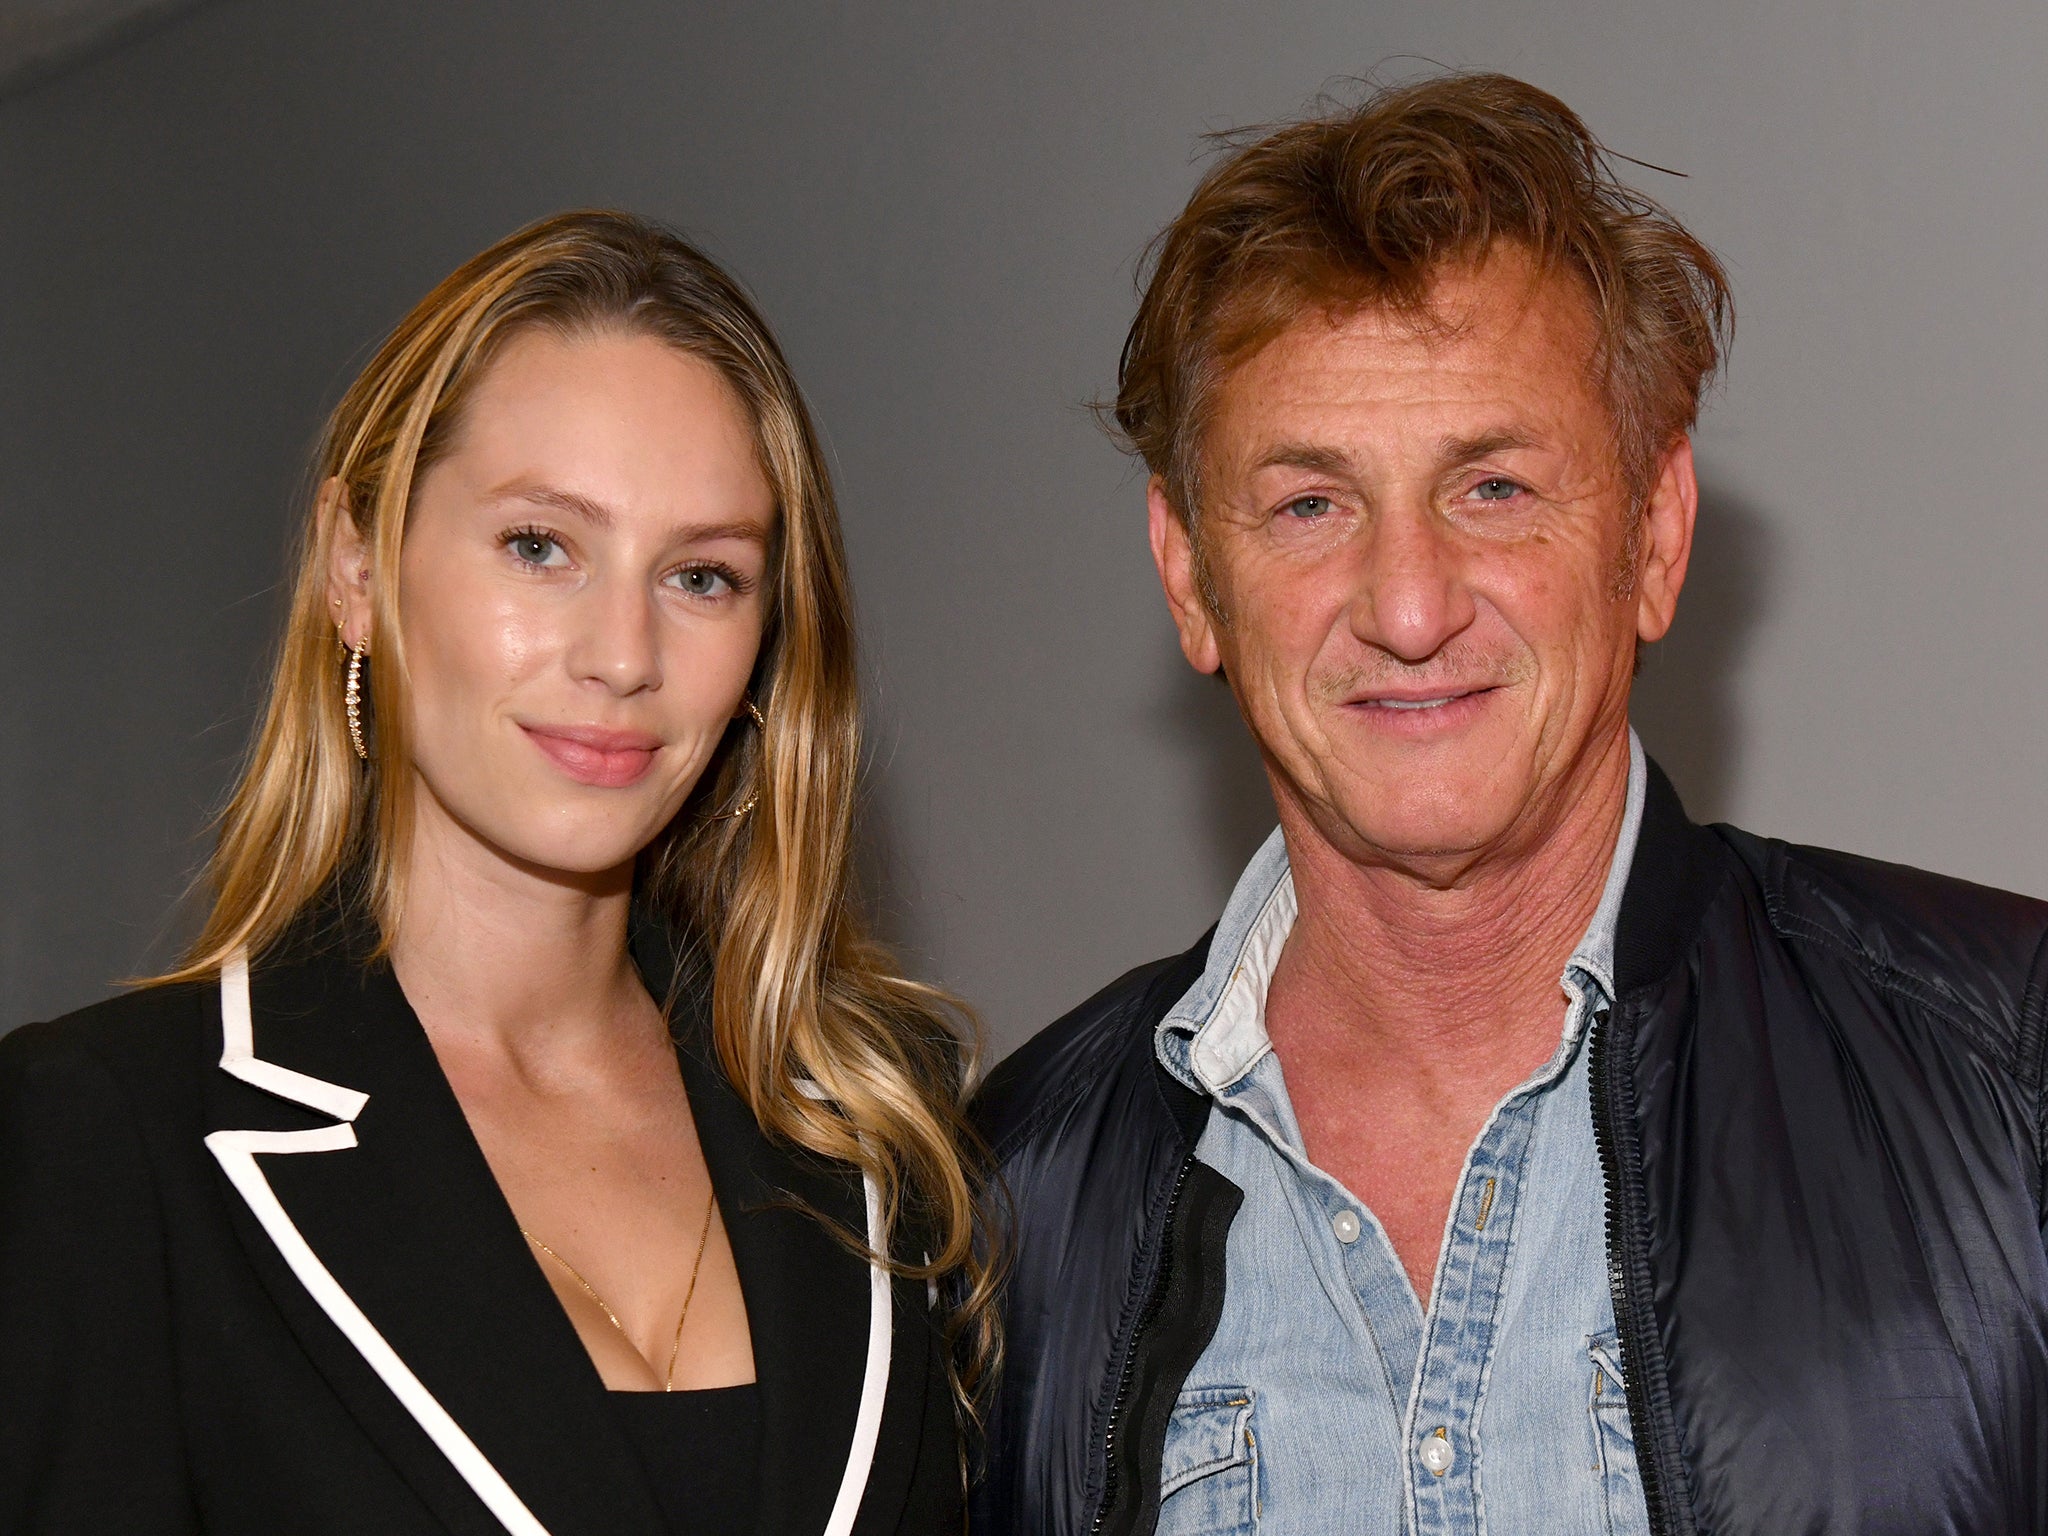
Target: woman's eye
1495,488
702,581
1308,507
536,549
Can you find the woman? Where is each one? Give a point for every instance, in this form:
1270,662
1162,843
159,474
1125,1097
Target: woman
531,1141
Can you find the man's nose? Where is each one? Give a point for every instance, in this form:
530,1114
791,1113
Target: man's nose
614,641
1412,597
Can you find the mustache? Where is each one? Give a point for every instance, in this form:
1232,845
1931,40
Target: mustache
1454,669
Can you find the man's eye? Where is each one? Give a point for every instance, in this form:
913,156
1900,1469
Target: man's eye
536,549
1495,489
1307,507
702,580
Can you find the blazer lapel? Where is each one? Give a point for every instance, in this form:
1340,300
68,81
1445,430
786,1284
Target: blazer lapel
421,1248
806,1294
810,1298
390,1250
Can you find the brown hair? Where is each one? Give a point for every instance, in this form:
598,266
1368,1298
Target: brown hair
829,1044
1366,206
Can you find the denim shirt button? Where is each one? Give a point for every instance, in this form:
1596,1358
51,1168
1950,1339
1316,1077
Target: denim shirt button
1345,1225
1437,1454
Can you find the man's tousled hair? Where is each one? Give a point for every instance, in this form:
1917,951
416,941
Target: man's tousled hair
1367,206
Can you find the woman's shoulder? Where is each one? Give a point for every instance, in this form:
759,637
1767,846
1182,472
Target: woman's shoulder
146,1046
101,1136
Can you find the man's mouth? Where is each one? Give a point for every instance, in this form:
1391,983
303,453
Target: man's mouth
1437,703
1414,701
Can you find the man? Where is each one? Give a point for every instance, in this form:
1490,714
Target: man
1514,1155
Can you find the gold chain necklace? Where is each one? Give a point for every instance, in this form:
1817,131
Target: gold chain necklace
668,1380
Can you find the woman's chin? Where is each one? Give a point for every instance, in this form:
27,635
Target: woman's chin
589,859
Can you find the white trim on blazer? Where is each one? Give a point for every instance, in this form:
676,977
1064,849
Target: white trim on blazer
236,1152
867,1423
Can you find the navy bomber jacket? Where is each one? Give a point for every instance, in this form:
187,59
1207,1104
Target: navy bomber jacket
1819,1100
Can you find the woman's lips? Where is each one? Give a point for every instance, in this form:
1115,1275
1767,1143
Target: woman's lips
591,755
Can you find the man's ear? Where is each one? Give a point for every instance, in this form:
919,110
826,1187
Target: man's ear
1665,541
1173,551
348,564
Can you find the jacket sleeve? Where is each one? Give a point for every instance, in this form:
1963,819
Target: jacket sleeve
2035,1006
89,1423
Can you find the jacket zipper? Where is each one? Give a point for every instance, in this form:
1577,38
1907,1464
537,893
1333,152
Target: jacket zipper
1146,1317
1624,1258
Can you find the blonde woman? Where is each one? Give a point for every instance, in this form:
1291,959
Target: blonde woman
532,1142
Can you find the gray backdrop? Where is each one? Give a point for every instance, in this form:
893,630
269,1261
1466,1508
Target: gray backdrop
939,205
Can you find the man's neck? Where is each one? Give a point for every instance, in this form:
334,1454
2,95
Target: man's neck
1387,956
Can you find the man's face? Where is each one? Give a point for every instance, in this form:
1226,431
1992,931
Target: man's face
1430,575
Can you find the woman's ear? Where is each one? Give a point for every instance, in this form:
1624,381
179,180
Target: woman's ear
348,563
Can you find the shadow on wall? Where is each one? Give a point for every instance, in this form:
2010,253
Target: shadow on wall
882,885
1684,705
1198,716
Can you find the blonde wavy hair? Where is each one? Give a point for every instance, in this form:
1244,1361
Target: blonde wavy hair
800,994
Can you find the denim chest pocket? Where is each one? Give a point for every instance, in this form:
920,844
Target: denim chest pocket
1614,1440
1209,1475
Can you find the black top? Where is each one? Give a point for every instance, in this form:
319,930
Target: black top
699,1450
168,1366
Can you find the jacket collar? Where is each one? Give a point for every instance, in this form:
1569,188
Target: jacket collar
1678,869
1215,1036
397,1260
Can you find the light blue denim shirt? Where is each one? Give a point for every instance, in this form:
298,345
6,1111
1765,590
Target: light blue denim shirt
1329,1403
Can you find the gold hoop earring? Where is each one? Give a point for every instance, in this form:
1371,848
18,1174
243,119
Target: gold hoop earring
754,799
354,697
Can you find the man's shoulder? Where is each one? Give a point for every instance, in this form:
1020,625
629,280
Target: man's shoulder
1974,952
1105,1041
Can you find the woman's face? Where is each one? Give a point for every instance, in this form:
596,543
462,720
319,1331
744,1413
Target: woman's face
581,590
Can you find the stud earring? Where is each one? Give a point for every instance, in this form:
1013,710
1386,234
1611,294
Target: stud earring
354,698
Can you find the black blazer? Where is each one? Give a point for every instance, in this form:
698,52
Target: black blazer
280,1291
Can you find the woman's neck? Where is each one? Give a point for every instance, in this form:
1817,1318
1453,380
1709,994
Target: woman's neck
514,961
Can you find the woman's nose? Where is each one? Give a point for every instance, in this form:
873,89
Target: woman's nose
614,641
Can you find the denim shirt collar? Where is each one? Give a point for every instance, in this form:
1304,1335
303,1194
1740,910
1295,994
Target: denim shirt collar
1216,1034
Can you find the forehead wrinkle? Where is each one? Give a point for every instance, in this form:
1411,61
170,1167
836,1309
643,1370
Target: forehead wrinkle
1451,451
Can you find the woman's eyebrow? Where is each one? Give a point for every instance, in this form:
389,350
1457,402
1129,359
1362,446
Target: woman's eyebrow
597,515
575,503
